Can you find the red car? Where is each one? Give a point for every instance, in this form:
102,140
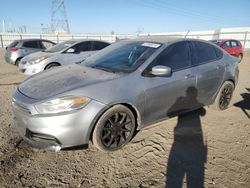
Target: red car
233,47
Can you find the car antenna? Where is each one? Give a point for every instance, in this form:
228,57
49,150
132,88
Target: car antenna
187,34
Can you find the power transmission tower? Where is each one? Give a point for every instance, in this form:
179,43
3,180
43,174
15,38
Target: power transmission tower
59,20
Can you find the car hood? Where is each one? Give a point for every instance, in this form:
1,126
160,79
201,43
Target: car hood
37,55
62,79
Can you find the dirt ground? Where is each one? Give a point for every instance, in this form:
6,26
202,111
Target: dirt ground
205,147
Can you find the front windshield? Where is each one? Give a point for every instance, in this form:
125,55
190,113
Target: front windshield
60,46
122,57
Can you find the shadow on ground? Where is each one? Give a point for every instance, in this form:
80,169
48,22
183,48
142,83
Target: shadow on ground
188,154
244,104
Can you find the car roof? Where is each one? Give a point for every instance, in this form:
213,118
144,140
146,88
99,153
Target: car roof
24,40
85,40
163,39
224,40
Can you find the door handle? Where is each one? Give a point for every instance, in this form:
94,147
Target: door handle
189,76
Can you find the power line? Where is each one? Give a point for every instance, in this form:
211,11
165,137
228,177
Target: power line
207,15
167,8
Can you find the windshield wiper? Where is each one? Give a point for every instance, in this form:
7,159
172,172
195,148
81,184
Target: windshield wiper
102,68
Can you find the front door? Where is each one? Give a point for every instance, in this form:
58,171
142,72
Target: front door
81,52
166,96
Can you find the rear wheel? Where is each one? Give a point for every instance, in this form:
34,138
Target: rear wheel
224,96
240,57
51,65
114,129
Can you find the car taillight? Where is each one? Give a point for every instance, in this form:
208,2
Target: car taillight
13,49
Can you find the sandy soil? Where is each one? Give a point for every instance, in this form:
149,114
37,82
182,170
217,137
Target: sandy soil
205,147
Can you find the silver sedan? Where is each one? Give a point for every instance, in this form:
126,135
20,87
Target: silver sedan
71,51
123,88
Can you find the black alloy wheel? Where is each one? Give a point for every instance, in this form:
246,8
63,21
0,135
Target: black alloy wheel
114,129
226,96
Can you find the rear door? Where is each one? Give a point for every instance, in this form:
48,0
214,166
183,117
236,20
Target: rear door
209,70
166,96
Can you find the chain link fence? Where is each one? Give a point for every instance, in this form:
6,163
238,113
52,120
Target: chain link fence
241,34
7,38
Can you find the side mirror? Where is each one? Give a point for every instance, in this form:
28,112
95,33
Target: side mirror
70,50
160,70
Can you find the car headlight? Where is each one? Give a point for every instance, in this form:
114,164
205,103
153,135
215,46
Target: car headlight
35,61
63,104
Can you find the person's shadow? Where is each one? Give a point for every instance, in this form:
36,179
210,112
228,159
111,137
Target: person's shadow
245,103
188,154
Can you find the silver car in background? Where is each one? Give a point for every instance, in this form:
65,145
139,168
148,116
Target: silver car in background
71,51
20,48
123,88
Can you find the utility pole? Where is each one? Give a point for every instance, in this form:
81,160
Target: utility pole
59,20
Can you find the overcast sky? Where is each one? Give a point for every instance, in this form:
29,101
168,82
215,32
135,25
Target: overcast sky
129,16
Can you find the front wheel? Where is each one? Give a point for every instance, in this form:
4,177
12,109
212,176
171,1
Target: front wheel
18,61
114,129
224,96
51,65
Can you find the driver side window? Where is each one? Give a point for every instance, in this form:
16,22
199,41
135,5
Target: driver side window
82,47
175,56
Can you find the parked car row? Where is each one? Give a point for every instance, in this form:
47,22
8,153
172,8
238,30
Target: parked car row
35,55
122,88
20,48
71,51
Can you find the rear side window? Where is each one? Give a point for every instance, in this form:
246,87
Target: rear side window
238,43
82,47
99,45
46,44
31,44
202,53
176,56
218,52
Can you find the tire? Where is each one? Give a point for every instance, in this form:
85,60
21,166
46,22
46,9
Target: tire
240,57
224,96
114,129
18,61
51,65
